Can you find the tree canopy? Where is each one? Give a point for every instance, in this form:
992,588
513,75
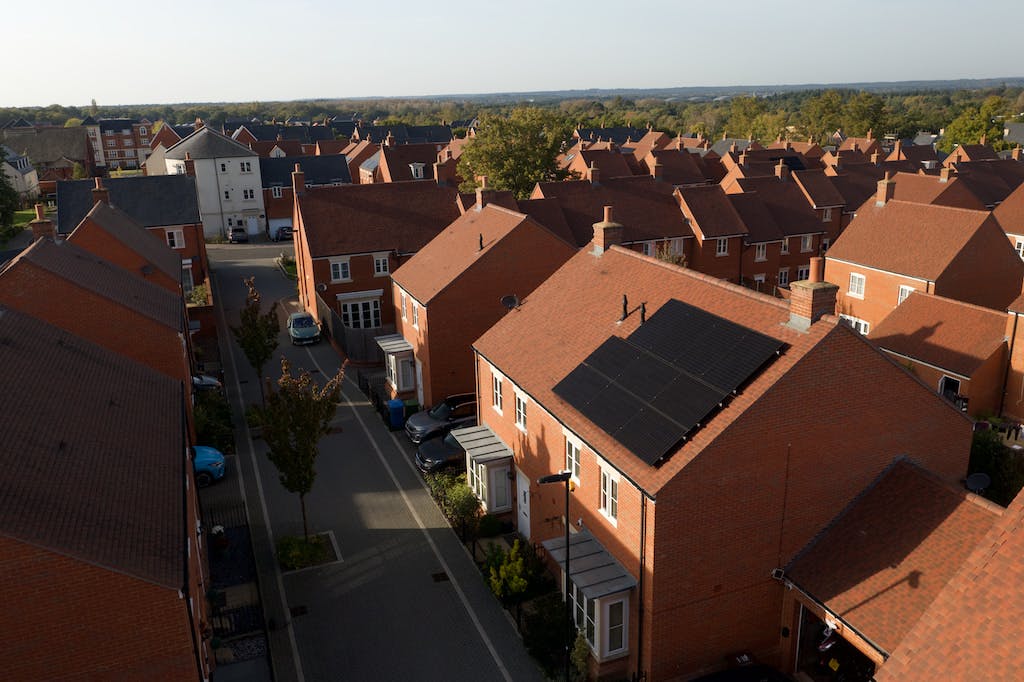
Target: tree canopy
257,332
294,419
515,152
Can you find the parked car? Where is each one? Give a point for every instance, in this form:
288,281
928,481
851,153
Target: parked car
208,464
282,233
302,328
453,412
438,453
237,235
204,382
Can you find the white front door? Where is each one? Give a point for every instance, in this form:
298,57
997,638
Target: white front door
523,503
251,226
419,383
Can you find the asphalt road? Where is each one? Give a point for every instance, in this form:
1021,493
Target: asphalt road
405,602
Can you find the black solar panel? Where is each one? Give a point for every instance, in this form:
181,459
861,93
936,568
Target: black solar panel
653,389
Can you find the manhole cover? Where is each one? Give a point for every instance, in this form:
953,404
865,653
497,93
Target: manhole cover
298,611
441,577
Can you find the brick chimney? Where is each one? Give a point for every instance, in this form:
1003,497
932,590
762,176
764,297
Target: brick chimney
782,170
886,189
198,124
876,158
389,141
100,193
898,150
945,174
594,174
298,181
606,233
658,171
1015,153
983,140
190,165
42,226
811,298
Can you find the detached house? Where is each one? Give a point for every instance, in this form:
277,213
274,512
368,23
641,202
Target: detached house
227,177
701,442
103,557
454,288
20,173
349,239
896,247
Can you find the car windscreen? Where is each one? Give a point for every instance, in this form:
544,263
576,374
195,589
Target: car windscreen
440,411
450,441
303,322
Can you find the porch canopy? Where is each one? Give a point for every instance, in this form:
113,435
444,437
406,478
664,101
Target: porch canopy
593,569
481,444
393,343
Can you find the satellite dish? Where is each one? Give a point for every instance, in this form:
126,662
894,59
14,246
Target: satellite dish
978,482
511,301
321,288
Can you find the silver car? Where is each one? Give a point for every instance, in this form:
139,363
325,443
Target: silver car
302,329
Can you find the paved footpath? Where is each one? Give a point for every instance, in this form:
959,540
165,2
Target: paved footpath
406,601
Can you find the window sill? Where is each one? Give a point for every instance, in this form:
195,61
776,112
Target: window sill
521,427
721,255
760,260
497,409
382,274
859,297
609,518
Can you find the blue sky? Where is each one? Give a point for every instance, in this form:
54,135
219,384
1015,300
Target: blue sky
190,51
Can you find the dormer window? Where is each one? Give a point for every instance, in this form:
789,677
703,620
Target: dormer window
417,170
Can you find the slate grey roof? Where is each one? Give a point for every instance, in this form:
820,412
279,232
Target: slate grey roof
1013,132
320,170
617,134
592,568
65,260
12,157
924,137
150,200
479,442
116,125
94,453
133,235
722,147
206,143
404,134
371,163
46,146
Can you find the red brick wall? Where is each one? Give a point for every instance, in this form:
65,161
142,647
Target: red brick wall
703,259
983,389
278,207
71,619
881,290
988,271
98,242
1013,399
733,514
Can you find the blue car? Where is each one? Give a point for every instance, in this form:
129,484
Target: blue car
208,464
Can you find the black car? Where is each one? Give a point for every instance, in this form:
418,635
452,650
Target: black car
452,413
282,233
438,453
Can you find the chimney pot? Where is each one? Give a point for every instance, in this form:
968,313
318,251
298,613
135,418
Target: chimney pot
40,212
100,193
42,226
817,269
595,174
1015,153
298,181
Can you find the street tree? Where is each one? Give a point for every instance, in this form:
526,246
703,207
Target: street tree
977,122
515,152
293,419
257,332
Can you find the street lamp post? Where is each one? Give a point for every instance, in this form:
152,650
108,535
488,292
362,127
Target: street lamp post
564,477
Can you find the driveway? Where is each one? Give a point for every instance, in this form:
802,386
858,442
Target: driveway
406,601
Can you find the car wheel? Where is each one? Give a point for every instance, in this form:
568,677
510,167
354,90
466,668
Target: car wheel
203,479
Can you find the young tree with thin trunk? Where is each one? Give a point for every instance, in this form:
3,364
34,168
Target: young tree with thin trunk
257,332
293,420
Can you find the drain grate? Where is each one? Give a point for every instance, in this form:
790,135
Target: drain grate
441,577
298,611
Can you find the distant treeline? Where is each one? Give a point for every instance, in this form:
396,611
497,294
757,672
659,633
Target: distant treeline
965,114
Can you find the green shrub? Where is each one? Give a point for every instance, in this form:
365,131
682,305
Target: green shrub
510,578
213,421
545,631
490,526
199,295
294,552
1004,466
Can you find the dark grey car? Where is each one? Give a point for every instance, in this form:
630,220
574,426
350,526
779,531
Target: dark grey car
451,413
438,453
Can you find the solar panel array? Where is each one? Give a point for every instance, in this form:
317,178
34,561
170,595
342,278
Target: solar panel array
653,389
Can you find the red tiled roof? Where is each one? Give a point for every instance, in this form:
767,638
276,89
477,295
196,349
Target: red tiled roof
396,159
88,271
644,206
457,248
709,210
886,558
504,198
134,236
918,153
918,240
811,150
1010,213
819,188
678,167
992,181
971,152
931,189
970,631
327,147
579,307
761,226
394,216
77,420
940,331
548,212
786,202
612,164
264,147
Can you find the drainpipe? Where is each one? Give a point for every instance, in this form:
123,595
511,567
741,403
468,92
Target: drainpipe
640,589
1009,361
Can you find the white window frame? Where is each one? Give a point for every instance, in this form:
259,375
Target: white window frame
1019,247
381,265
187,281
857,324
858,283
760,252
904,292
223,167
573,448
676,246
417,170
521,402
806,243
785,247
826,214
824,244
722,246
759,280
415,315
245,166
803,272
647,248
608,498
395,374
497,391
593,618
275,192
344,270
175,239
783,277
404,298
352,311
248,194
